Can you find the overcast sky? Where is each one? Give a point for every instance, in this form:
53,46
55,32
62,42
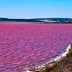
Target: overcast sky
35,8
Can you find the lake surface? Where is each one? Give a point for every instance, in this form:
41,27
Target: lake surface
31,44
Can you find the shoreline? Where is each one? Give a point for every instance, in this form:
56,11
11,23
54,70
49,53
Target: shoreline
50,64
34,22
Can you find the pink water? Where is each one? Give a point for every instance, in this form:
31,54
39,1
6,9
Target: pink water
31,44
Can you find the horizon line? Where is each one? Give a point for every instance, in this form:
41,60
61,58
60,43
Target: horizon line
36,18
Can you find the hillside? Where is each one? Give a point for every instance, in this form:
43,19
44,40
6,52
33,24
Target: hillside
36,19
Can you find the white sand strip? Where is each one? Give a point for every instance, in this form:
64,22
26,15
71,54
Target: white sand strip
58,58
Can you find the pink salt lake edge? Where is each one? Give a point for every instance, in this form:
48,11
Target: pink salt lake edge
31,44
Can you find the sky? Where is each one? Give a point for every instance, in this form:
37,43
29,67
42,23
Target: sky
36,8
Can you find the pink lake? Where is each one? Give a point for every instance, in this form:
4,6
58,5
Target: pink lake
31,44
